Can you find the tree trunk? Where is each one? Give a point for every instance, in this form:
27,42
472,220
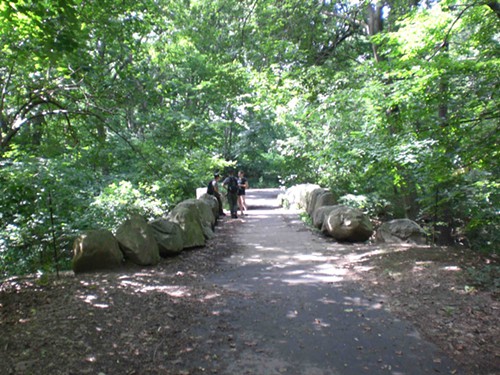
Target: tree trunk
228,142
494,6
375,25
35,127
103,160
410,199
443,93
409,191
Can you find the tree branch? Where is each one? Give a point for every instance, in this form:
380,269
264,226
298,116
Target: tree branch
20,118
4,90
445,42
246,20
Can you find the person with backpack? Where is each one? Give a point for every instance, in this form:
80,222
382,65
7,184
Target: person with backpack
213,189
231,185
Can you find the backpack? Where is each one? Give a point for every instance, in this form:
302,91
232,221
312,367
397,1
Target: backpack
232,186
210,188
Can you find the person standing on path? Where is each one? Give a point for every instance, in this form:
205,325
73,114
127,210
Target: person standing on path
242,186
231,185
213,189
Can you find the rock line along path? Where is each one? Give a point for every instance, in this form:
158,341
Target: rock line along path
291,309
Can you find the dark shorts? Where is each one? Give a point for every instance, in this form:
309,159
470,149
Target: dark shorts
241,192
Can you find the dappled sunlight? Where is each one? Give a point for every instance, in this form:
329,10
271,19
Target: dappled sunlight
452,268
322,273
144,283
313,279
96,290
360,257
313,257
210,296
282,253
352,304
172,291
365,303
261,214
91,299
295,264
331,269
295,273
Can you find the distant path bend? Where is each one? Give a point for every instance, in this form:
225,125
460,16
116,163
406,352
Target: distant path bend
293,311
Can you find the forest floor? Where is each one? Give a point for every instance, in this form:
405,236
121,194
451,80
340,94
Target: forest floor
448,294
172,319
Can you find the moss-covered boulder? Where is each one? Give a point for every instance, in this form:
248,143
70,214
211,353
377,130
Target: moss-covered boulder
96,250
137,241
168,236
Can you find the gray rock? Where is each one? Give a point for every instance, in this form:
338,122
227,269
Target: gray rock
311,200
319,215
347,224
324,199
212,202
96,250
137,241
188,218
401,231
205,215
168,236
297,195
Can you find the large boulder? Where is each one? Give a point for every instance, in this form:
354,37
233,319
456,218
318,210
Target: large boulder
319,215
347,224
205,214
137,241
297,195
311,200
401,230
96,250
168,236
188,218
324,199
212,202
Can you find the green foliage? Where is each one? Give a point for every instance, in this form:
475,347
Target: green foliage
371,204
119,200
307,219
481,194
486,277
43,201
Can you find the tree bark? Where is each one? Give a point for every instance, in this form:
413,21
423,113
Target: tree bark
101,137
494,6
375,25
443,92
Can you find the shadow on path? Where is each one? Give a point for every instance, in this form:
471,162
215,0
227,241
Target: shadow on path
292,310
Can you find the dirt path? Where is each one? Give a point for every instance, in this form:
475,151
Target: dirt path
266,296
